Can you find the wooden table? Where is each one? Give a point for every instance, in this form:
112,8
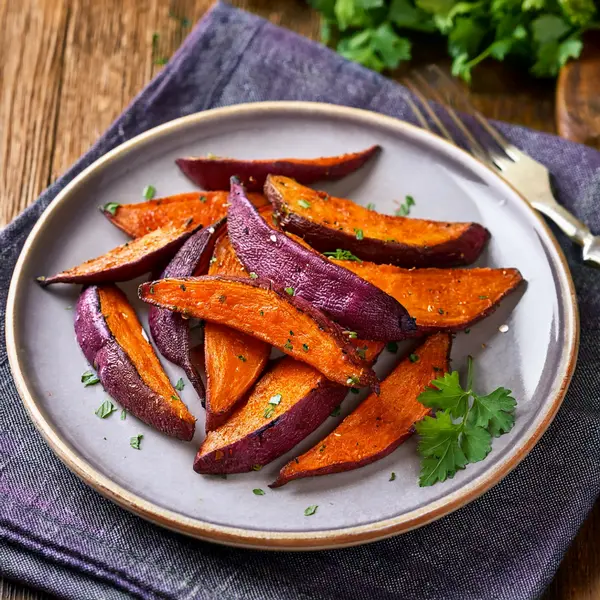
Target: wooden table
69,68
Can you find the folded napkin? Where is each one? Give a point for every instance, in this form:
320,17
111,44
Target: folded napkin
61,536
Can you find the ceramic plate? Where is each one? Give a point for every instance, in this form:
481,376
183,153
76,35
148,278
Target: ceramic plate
534,358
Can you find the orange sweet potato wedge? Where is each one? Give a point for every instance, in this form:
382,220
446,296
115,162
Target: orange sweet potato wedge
328,223
272,315
380,423
441,299
141,218
129,260
288,403
233,360
112,339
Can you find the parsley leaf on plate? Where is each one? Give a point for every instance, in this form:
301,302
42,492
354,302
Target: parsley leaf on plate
463,425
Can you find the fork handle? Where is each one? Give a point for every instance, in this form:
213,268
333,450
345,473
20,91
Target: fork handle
573,228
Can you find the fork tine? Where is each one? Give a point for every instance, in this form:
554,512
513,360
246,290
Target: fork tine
410,83
476,148
452,86
418,113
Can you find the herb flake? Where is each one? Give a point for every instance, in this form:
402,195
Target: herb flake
149,192
180,384
311,510
89,378
106,409
135,441
340,254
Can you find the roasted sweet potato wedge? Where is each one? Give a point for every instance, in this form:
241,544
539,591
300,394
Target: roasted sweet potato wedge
348,299
233,360
288,403
112,340
213,173
128,261
328,223
380,423
141,218
169,330
270,314
441,299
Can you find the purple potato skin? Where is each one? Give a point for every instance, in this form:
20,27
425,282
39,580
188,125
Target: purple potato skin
345,297
215,173
277,437
455,253
169,330
124,272
117,373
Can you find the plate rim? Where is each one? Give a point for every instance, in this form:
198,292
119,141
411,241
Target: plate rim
295,540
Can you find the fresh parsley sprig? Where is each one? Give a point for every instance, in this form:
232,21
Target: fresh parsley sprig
461,430
540,34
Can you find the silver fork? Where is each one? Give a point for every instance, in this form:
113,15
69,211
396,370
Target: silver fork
530,178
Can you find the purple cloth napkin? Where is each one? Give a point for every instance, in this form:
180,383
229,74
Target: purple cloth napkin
58,535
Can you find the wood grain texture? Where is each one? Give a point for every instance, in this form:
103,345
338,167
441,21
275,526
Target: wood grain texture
578,95
70,67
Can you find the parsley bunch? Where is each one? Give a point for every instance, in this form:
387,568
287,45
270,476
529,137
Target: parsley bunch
461,430
540,34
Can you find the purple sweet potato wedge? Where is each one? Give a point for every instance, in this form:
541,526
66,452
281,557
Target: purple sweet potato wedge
288,403
169,330
268,313
329,223
214,173
112,340
348,299
127,261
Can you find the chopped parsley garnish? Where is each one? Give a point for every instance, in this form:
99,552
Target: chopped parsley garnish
290,291
336,411
149,192
441,311
404,209
89,378
351,334
111,207
106,409
123,415
261,313
392,347
258,492
134,442
483,297
305,347
362,352
359,234
222,299
311,510
413,358
242,357
203,199
180,384
275,400
340,254
183,288
253,275
370,206
304,203
291,332
257,467
467,331
352,380
269,411
288,345
393,476
460,431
